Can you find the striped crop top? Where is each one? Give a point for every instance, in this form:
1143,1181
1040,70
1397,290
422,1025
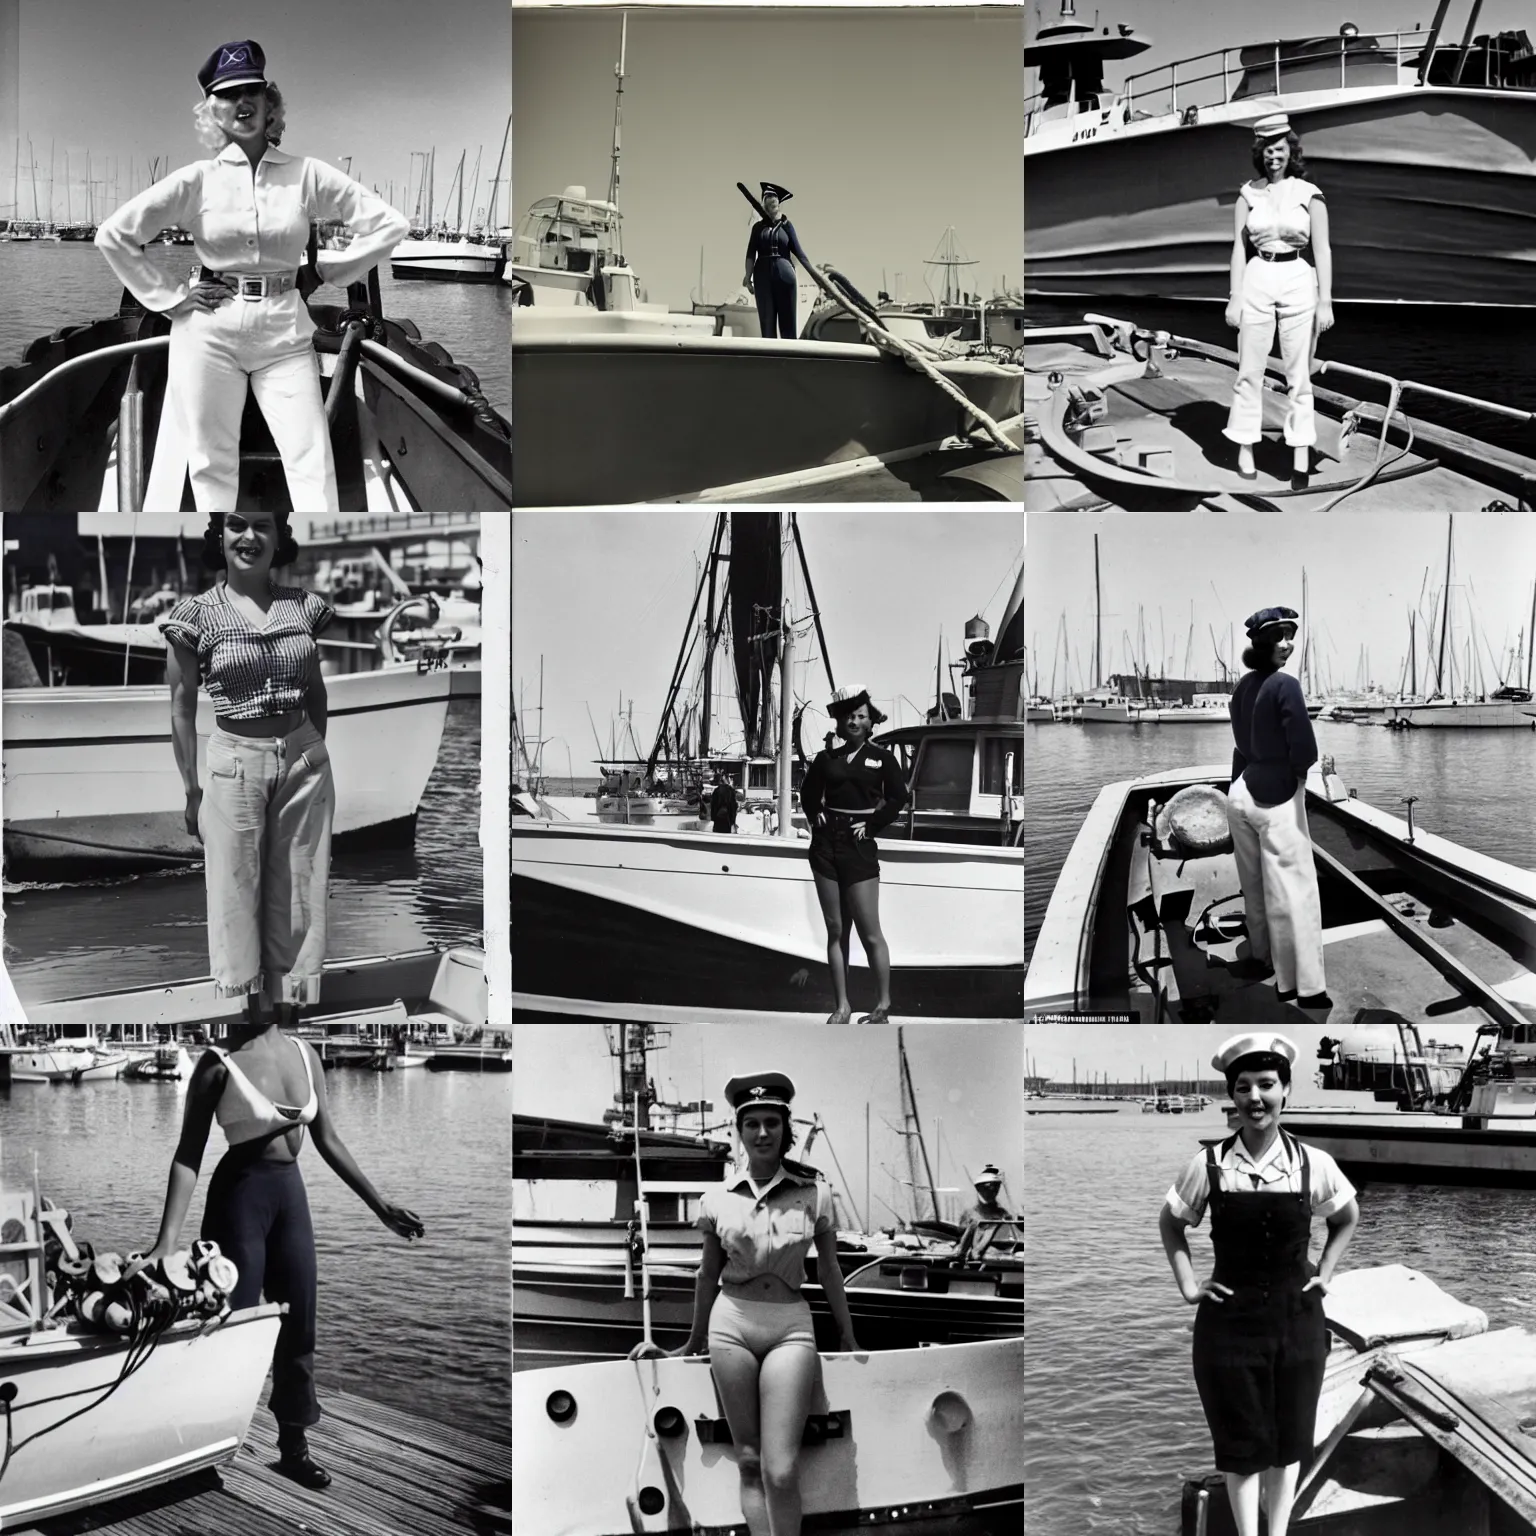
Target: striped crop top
251,673
245,1113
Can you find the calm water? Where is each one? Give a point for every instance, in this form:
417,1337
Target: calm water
423,1328
1477,788
47,286
1114,1420
61,941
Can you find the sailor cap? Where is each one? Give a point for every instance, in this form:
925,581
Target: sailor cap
233,64
1266,1048
988,1175
846,700
1270,618
1274,125
773,189
767,1090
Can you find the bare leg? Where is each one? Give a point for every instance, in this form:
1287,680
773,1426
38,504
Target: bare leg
1279,1495
736,1377
831,898
1243,1496
787,1379
864,902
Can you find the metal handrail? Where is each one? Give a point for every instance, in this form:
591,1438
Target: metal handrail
447,394
119,349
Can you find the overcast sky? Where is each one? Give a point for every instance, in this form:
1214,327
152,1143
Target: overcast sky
603,597
1364,572
966,1076
373,79
887,125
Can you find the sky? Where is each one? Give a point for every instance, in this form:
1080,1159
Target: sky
966,1079
887,125
373,79
603,597
1364,572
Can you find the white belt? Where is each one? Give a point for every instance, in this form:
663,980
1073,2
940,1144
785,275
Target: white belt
247,286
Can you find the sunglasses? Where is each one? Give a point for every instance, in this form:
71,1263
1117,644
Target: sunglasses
235,92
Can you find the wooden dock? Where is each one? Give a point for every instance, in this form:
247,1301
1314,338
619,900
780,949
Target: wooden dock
393,1474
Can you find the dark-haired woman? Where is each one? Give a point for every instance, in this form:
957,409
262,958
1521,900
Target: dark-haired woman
770,273
1274,746
850,793
1261,1340
264,818
1287,282
758,1227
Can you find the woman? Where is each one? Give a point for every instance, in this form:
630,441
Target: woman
242,319
264,1089
1274,746
1261,1341
757,1228
265,817
770,273
1282,217
850,793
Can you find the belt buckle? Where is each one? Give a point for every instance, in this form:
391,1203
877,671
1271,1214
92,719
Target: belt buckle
253,287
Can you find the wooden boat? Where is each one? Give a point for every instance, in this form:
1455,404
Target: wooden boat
415,989
409,426
1133,419
1414,925
167,1063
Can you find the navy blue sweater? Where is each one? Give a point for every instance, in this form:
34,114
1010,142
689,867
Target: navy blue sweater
773,241
867,782
1274,741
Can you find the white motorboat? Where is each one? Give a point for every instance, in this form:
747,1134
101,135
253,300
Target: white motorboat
48,1064
1503,709
91,784
448,257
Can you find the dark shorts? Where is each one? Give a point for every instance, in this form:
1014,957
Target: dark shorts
838,855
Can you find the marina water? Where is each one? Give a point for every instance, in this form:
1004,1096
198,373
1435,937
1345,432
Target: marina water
422,1328
1114,1420
61,941
1473,786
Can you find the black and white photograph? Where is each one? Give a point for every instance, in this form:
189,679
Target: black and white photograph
1312,1247
258,272
244,883
774,759
767,254
767,1279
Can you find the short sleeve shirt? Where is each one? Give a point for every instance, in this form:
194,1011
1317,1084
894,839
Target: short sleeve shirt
768,1233
251,673
1279,213
1276,1172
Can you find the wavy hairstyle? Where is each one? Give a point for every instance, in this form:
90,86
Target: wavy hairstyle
786,1141
1259,655
213,543
1295,166
213,138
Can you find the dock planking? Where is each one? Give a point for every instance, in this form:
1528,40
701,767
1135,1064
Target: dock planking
394,1474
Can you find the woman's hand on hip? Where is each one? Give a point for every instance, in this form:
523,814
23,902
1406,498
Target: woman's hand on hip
1316,1283
207,295
1208,1290
860,830
406,1224
1324,316
194,805
307,281
1235,315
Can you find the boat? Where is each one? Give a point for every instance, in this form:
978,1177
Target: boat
92,786
1133,418
48,1063
167,1063
1420,1424
1421,145
409,427
93,1416
447,256
1507,708
1414,924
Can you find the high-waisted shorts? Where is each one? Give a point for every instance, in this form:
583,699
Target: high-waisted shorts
760,1326
837,854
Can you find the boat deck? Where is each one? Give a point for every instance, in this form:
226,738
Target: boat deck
392,1472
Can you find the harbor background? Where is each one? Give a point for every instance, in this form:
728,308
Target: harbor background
424,1328
1115,1422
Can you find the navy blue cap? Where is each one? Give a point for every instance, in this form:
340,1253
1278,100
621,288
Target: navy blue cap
233,64
772,189
1269,618
771,1090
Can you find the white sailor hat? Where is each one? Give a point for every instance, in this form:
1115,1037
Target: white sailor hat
1266,1049
988,1175
767,1090
1274,125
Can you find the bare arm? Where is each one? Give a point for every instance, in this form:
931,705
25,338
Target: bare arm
1176,1245
1341,1228
181,673
830,1273
1239,264
705,1286
203,1092
1322,259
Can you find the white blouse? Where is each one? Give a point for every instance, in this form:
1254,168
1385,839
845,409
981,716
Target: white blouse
1274,1173
1279,213
245,222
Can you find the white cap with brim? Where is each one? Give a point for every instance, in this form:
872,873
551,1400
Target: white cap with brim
1274,125
1263,1043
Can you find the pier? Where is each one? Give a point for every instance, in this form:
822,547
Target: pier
392,1472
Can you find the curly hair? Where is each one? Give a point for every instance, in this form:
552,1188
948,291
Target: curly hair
788,1138
213,138
213,543
1259,655
1295,166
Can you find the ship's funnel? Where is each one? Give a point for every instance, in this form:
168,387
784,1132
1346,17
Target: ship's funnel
978,637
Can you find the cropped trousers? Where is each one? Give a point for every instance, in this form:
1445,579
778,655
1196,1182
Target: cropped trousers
266,816
1283,295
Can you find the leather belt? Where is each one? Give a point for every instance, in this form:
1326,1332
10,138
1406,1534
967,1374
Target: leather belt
1278,255
267,285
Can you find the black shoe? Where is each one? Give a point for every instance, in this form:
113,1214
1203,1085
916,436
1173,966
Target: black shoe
1315,1000
303,1471
1251,969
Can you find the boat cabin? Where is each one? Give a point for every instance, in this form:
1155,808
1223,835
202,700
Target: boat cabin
52,606
1071,101
562,248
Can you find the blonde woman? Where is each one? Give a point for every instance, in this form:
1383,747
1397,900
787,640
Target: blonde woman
240,322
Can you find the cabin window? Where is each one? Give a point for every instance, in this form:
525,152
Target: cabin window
758,775
943,776
994,755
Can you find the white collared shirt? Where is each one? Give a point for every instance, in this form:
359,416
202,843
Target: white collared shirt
1279,213
768,1232
1274,1173
240,222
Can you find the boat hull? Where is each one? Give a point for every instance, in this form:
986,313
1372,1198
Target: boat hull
1479,716
684,414
930,1440
450,261
188,1406
91,785
1431,193
49,1066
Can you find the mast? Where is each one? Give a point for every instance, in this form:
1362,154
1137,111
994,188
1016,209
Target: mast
1098,639
474,185
912,1127
1530,649
1445,607
618,113
1413,655
490,217
810,592
458,176
707,708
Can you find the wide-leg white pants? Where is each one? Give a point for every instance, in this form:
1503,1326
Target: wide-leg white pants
263,345
1283,294
1273,849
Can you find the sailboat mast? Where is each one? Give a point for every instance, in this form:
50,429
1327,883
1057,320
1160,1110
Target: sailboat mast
618,111
1445,607
810,594
490,217
914,1128
1530,649
706,706
1098,638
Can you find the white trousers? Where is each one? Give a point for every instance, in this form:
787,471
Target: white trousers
1279,879
263,345
1283,294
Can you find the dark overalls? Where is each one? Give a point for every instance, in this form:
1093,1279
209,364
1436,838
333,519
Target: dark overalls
773,276
1259,1355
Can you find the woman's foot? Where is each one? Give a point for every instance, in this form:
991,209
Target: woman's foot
1245,465
1315,1000
1301,461
879,1014
295,1463
840,1015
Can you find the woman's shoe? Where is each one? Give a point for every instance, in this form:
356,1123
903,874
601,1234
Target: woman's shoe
1315,1000
301,1470
840,1016
1245,465
880,1015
